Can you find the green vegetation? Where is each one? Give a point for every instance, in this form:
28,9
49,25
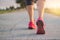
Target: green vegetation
21,2
11,9
5,11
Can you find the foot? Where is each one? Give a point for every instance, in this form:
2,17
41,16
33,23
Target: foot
31,25
40,27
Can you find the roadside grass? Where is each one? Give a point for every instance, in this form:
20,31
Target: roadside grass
54,11
47,10
5,11
10,10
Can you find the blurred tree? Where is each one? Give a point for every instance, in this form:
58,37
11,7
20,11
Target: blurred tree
12,7
21,2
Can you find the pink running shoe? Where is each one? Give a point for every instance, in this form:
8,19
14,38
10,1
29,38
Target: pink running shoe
31,25
40,26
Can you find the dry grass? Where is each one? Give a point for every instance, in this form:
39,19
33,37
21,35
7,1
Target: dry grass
54,11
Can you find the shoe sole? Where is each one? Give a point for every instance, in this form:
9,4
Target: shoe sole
40,25
30,28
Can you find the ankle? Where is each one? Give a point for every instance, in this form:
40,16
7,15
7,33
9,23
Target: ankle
40,18
32,21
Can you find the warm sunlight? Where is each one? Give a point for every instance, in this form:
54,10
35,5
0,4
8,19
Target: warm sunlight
52,7
52,4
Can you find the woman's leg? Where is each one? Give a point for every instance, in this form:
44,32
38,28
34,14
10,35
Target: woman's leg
30,9
40,6
40,23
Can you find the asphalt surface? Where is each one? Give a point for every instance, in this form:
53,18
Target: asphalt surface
14,26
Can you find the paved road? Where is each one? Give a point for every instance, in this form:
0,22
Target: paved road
13,26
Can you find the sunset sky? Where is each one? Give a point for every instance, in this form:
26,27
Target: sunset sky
52,3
